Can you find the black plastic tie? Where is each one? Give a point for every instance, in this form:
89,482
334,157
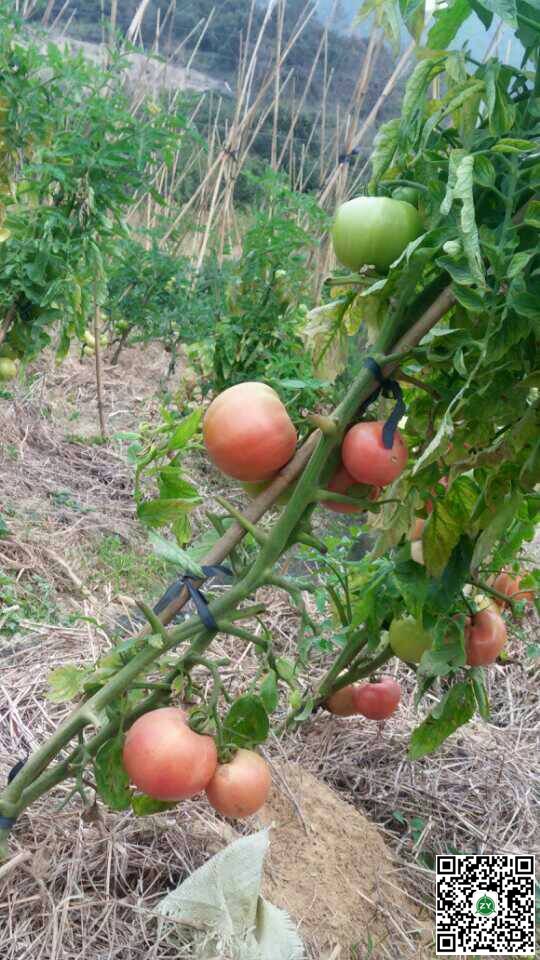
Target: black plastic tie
347,157
6,823
198,598
388,388
15,770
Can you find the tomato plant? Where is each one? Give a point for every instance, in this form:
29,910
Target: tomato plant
240,787
453,319
373,230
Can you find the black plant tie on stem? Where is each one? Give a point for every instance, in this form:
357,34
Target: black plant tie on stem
347,157
388,388
6,823
199,600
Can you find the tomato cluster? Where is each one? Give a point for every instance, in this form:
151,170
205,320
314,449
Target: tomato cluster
167,760
375,700
249,436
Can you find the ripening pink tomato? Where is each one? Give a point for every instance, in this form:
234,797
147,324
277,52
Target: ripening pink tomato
241,787
248,433
367,459
378,699
485,637
341,482
165,758
508,585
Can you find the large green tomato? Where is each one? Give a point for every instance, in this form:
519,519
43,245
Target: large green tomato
409,640
373,230
8,369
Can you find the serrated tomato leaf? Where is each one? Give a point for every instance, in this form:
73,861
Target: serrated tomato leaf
269,692
143,806
456,709
112,781
246,723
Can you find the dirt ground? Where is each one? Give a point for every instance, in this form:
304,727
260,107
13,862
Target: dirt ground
356,826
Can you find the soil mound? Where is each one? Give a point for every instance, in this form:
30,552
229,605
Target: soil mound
329,867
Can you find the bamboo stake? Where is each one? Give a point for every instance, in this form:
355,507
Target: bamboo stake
275,119
99,381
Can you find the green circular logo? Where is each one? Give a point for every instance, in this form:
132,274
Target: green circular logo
485,906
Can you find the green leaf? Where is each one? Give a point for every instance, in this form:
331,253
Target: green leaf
112,781
157,513
532,214
444,590
246,723
446,524
413,585
172,486
385,145
65,683
496,528
519,261
431,453
512,145
4,529
171,552
478,677
456,709
485,15
505,9
468,298
185,431
285,669
413,13
268,692
448,20
525,304
143,806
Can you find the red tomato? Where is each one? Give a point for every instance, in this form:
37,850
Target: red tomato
165,758
340,483
239,788
379,699
508,585
367,459
485,636
248,433
342,703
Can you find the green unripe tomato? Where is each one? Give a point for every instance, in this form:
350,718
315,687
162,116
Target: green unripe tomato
8,369
89,338
122,325
373,230
409,640
407,195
